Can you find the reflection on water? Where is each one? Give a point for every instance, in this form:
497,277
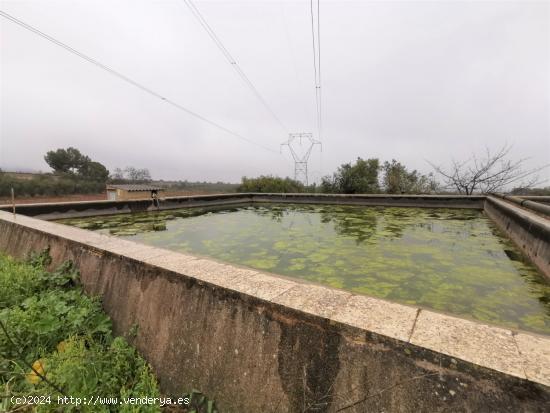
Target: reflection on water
447,259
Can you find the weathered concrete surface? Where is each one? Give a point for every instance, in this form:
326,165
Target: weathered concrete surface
538,207
261,343
541,199
58,210
530,232
418,201
51,211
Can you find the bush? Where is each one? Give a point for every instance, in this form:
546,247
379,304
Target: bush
397,179
358,178
531,191
48,185
51,325
199,186
270,184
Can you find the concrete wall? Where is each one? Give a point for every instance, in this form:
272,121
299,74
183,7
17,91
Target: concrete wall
125,195
543,199
262,343
537,207
418,201
90,208
60,210
529,231
526,241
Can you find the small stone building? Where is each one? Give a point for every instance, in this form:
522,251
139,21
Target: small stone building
133,191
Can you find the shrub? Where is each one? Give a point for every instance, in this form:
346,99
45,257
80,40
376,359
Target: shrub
48,185
358,178
273,184
51,325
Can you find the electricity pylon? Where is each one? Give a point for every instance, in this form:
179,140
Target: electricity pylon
300,157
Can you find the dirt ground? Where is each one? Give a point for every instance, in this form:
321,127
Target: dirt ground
82,197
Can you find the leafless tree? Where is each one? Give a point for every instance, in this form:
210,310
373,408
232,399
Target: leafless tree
489,173
131,174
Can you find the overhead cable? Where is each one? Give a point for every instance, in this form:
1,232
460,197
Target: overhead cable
316,43
131,81
232,60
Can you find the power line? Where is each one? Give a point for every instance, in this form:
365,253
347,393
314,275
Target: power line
317,64
231,60
130,81
320,90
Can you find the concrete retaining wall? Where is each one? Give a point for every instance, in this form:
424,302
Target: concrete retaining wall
543,199
538,207
58,210
418,201
262,343
90,208
530,232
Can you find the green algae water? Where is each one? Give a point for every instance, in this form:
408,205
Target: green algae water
452,260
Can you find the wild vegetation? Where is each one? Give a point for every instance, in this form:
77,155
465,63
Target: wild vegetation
398,180
57,341
268,183
47,185
130,175
76,173
73,173
71,162
531,191
358,178
489,172
365,176
199,186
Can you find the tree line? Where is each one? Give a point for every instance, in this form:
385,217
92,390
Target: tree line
487,172
364,176
491,171
72,173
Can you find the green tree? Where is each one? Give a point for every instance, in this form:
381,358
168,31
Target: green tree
68,160
72,163
398,180
270,184
94,171
358,178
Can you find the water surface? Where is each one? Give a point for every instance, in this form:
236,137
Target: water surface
452,260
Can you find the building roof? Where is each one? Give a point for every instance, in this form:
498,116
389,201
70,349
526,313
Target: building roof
136,187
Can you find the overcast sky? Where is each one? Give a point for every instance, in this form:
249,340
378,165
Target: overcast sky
409,80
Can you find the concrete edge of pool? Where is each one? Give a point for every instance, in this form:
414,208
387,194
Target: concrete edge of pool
57,210
280,338
527,230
